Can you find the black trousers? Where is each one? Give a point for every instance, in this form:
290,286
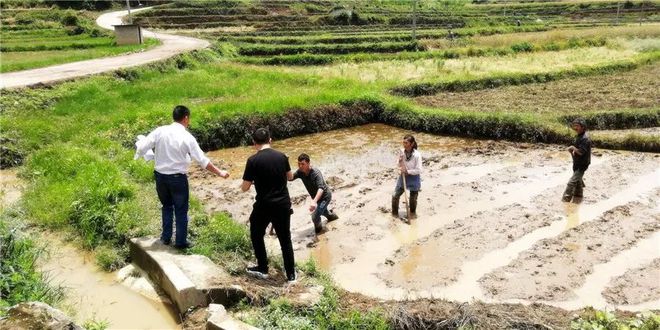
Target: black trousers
281,220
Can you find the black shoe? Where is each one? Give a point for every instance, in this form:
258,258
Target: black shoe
566,199
332,216
318,228
165,242
256,272
292,278
185,246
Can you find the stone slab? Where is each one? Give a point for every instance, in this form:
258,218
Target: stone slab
189,280
220,320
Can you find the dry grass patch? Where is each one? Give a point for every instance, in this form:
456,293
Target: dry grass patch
636,89
546,37
446,70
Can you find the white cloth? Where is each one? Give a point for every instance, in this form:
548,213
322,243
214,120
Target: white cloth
173,147
414,165
147,156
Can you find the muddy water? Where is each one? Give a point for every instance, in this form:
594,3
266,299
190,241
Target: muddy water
482,204
96,295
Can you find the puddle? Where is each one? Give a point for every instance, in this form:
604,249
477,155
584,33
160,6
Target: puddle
96,295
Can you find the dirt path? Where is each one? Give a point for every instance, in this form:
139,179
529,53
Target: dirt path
486,210
171,45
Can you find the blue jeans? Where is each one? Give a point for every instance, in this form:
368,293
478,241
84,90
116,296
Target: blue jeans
321,210
174,196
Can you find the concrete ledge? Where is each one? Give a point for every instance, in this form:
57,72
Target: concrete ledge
220,320
189,280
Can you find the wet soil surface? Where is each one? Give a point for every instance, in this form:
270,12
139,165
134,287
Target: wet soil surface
636,285
486,209
639,88
554,267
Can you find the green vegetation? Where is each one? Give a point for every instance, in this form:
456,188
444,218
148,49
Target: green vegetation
19,278
320,15
16,61
96,325
328,313
595,319
38,37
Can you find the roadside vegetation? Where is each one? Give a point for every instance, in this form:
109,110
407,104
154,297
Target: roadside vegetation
39,37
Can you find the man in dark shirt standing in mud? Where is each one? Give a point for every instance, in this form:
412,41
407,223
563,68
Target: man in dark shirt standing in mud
318,191
581,153
269,171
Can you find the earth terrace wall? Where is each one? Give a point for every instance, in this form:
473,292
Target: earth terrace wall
234,131
306,59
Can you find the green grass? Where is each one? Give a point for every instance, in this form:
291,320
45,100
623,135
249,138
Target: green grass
595,319
35,38
20,280
329,313
17,61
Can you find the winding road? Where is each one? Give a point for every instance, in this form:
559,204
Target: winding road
171,46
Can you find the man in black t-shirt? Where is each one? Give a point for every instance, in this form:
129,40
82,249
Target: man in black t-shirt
318,191
581,154
269,171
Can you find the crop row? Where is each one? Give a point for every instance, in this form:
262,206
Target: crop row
521,47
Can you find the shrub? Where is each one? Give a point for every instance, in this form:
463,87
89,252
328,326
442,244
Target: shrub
522,47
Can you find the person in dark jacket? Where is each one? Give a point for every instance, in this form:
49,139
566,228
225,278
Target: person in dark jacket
581,153
318,190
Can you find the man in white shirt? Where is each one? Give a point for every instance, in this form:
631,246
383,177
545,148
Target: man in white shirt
173,149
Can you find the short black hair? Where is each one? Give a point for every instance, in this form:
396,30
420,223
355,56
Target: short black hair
581,122
180,112
304,157
261,136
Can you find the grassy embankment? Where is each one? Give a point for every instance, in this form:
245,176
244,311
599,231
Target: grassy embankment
34,38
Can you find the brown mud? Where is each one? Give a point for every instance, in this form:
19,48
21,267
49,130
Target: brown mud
484,205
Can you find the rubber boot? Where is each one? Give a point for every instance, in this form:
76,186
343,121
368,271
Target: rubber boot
395,206
413,203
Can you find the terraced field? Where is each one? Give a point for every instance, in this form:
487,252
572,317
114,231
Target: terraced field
488,89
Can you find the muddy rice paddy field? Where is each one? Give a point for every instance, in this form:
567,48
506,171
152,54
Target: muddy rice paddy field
636,89
491,225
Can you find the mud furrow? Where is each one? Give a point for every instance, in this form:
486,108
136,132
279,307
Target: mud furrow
554,267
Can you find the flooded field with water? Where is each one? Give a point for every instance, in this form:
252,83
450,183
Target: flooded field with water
490,226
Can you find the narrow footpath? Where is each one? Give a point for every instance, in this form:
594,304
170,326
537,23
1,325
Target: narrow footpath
171,45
